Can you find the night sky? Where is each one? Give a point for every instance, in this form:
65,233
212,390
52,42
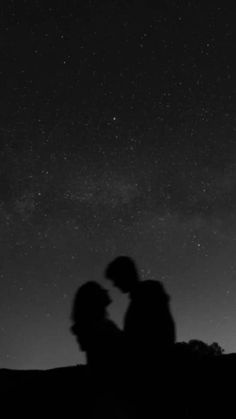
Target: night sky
117,136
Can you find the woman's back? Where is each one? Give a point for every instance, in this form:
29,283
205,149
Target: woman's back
98,336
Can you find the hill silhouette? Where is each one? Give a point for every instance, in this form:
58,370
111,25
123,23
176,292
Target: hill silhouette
33,392
198,386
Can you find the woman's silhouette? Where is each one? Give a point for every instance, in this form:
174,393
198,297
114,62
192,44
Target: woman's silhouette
96,334
102,341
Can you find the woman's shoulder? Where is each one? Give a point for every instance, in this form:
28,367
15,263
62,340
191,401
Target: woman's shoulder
109,326
109,332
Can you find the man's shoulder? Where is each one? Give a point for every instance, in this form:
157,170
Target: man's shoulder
151,289
151,284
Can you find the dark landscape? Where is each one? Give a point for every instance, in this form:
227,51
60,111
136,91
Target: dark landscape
200,385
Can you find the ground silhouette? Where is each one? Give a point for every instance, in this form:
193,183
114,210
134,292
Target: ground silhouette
203,388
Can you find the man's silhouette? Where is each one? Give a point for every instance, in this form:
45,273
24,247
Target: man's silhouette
148,325
149,331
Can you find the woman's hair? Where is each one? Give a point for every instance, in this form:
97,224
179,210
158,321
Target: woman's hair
90,299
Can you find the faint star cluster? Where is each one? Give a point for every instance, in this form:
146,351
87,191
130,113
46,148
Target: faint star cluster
117,126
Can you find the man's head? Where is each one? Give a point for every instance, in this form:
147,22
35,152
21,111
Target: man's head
123,273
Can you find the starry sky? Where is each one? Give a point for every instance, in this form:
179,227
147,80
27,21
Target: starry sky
117,136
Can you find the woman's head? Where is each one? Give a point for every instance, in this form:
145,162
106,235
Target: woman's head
90,300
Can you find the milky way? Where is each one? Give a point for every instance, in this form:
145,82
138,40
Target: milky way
118,128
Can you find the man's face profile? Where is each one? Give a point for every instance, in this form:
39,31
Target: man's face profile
120,282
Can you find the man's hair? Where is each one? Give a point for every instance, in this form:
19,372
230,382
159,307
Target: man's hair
120,266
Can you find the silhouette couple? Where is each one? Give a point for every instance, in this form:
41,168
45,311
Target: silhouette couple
126,359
